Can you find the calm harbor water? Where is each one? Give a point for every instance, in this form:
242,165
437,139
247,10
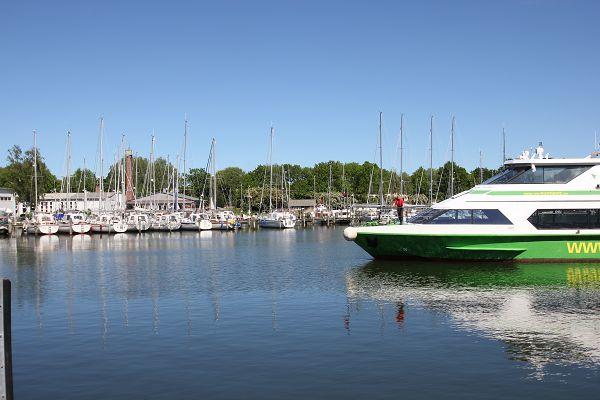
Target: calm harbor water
291,314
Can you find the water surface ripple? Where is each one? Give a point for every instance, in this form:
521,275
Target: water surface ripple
291,314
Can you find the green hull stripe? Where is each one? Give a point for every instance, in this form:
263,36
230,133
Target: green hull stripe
475,248
482,247
479,191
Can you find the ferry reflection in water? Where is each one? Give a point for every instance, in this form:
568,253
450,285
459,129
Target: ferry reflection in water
545,313
290,314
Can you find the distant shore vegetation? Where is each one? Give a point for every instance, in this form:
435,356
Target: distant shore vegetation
237,187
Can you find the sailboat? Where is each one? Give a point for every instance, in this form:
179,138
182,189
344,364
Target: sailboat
276,219
221,220
71,221
106,222
138,222
189,222
41,222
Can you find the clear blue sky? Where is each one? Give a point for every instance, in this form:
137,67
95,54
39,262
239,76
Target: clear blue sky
319,71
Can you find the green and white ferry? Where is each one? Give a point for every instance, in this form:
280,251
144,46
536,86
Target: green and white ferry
537,208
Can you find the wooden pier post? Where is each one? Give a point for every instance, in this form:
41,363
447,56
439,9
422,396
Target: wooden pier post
6,381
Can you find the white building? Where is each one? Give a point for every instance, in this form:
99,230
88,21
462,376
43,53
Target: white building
93,201
164,201
8,201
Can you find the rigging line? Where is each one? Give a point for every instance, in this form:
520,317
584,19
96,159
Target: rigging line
206,174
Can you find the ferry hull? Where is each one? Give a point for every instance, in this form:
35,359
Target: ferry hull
481,247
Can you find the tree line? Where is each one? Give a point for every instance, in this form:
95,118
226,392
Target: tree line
330,182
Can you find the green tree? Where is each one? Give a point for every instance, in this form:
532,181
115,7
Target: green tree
83,180
19,174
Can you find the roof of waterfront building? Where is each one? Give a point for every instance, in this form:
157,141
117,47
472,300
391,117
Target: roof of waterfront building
299,203
161,198
6,191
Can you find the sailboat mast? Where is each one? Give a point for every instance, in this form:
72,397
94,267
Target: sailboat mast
68,168
213,176
380,164
329,189
152,174
101,204
185,131
452,159
283,191
249,202
431,160
84,188
370,183
121,164
35,168
175,188
344,194
271,171
401,154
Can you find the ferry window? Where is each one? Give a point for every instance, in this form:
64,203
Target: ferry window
506,175
425,216
492,217
453,217
563,174
566,219
529,176
458,217
541,174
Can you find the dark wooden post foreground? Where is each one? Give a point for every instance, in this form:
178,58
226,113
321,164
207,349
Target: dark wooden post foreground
6,382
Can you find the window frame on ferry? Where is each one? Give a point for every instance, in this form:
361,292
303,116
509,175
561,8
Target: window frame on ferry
558,219
522,174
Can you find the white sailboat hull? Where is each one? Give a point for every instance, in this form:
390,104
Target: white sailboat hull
48,229
140,226
222,226
102,228
81,228
119,227
168,227
276,224
204,225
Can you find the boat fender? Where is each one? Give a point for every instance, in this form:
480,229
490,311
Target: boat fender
350,233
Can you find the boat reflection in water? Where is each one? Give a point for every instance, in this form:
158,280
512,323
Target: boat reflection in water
547,314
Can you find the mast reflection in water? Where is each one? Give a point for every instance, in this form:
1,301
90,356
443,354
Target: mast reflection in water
290,314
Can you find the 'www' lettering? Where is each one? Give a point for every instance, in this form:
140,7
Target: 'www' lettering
583,247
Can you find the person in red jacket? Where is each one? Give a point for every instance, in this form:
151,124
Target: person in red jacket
399,203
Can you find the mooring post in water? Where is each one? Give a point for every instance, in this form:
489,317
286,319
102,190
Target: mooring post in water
6,382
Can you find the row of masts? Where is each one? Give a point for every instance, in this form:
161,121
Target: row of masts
451,184
150,179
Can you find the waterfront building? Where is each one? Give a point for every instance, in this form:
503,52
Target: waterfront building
8,201
165,201
306,206
92,201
